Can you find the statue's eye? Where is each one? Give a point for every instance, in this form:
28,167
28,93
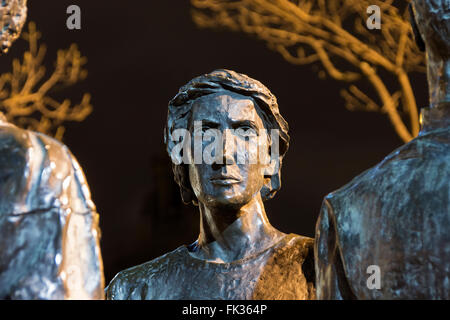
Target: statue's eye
251,129
247,131
201,130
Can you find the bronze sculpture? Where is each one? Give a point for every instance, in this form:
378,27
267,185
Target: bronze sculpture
49,236
395,217
238,254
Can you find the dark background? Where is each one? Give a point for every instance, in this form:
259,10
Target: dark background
139,53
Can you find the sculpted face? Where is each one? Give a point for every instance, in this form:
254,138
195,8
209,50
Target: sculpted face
233,182
433,20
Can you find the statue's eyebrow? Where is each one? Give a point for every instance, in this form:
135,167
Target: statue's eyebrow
206,123
210,123
241,123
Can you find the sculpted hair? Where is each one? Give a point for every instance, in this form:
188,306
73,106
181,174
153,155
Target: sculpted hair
218,81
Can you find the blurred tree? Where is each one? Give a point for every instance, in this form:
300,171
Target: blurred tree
24,93
335,34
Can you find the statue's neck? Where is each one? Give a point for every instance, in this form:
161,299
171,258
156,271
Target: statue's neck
438,79
227,235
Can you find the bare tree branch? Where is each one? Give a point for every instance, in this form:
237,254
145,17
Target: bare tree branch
334,34
24,92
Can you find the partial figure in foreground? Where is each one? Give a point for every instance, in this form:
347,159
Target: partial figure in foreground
386,234
49,236
238,254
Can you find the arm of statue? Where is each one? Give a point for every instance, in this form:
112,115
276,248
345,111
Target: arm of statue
49,236
82,267
331,283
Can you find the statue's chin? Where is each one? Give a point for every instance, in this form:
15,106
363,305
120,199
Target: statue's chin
226,201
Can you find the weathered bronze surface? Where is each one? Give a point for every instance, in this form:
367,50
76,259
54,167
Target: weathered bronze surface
49,236
13,14
238,254
396,215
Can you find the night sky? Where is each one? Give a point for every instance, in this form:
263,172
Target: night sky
139,53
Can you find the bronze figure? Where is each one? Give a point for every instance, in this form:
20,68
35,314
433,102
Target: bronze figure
393,220
238,254
49,236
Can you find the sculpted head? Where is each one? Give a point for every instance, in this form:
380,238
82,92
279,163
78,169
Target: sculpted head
432,20
235,108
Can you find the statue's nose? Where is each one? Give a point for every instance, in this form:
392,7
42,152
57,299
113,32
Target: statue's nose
229,147
229,151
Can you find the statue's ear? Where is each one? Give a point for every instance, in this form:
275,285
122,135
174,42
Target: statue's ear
271,185
182,179
272,179
188,196
419,40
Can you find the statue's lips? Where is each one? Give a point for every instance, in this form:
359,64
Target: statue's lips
225,181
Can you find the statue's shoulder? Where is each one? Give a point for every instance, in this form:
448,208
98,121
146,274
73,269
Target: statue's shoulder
24,158
20,143
299,243
427,155
298,249
12,135
289,273
55,149
138,282
15,144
